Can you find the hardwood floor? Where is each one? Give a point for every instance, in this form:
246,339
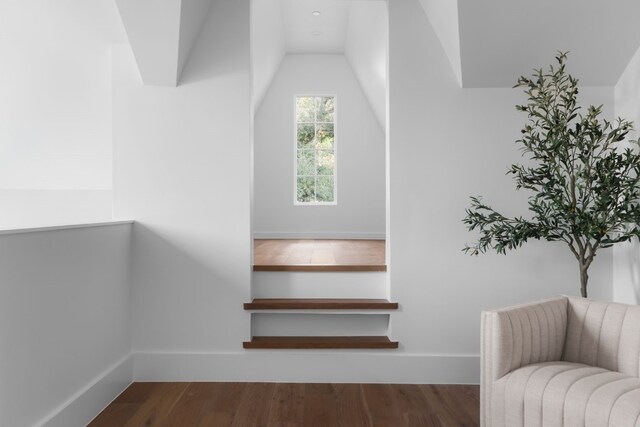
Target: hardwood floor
319,255
292,405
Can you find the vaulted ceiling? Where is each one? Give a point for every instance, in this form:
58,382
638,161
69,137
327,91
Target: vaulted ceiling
323,32
355,28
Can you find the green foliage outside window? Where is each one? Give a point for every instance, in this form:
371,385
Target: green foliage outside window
315,149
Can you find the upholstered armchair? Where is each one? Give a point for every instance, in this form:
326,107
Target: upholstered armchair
561,362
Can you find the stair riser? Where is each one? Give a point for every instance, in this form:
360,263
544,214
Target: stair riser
263,324
319,285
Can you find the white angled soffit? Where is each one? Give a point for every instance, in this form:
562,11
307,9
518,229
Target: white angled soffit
161,34
193,13
443,16
153,29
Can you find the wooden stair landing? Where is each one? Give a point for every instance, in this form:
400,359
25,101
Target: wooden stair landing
359,342
319,255
320,267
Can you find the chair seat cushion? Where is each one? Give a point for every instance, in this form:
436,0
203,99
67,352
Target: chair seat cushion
566,394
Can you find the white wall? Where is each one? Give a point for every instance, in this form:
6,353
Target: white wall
447,143
366,49
360,155
183,163
182,170
29,208
55,102
626,269
64,323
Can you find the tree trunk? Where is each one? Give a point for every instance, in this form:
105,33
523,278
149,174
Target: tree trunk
584,278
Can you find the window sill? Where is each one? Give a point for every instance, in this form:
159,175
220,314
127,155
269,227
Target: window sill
315,204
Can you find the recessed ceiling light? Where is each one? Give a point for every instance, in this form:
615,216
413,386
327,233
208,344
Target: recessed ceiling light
316,13
317,33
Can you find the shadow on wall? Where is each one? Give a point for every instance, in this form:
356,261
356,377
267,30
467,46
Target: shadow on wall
214,52
632,263
182,286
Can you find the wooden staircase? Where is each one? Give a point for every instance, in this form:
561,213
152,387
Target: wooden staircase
320,342
316,340
320,295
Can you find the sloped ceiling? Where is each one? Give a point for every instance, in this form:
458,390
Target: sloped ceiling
307,33
161,34
502,39
267,46
366,52
355,28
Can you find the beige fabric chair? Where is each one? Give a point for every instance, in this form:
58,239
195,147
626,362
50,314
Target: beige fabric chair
561,362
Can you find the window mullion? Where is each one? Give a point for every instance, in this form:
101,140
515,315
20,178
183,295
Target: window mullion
315,151
315,160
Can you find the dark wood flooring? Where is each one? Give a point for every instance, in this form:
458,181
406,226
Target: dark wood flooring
292,405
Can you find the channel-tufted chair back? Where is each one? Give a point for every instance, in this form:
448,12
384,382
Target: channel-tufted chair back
604,335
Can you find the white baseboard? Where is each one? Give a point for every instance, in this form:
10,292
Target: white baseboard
85,405
320,235
310,366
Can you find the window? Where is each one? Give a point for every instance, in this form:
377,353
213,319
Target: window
315,150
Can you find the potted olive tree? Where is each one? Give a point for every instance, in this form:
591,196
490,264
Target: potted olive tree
585,187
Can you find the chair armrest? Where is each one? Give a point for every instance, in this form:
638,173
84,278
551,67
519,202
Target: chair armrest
518,336
521,335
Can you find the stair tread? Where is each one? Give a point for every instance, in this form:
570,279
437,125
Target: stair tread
320,267
320,342
320,304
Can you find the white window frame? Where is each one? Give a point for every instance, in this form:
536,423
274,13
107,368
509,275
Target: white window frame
335,149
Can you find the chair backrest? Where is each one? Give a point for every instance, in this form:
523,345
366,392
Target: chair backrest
603,334
520,335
